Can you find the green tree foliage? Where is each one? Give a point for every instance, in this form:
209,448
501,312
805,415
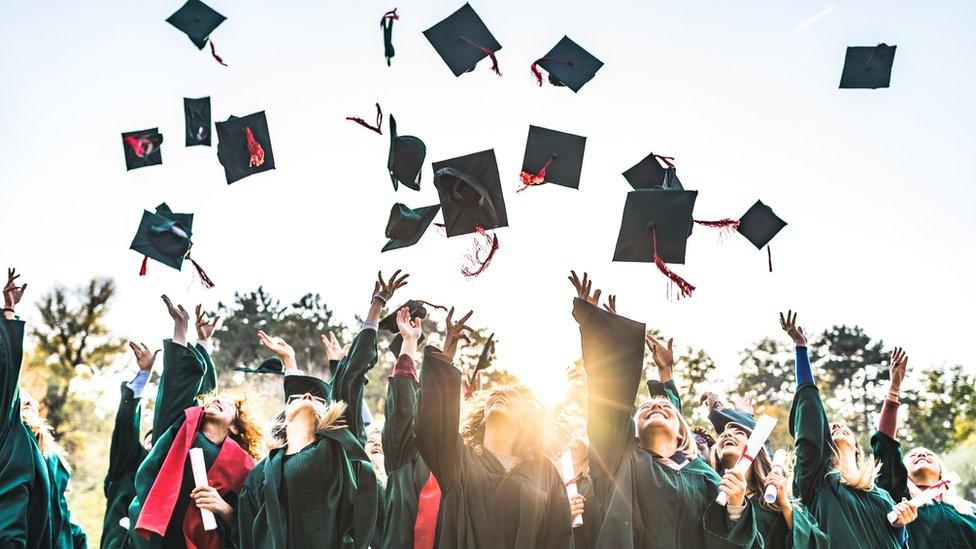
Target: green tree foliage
854,370
942,413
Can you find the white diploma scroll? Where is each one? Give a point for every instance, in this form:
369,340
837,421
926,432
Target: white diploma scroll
779,460
926,496
756,441
200,479
569,473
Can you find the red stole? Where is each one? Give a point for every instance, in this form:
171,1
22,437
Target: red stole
227,475
428,505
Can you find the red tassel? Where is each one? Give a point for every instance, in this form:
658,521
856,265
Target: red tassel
213,52
538,178
379,121
484,50
726,226
685,288
668,160
475,257
257,153
145,265
140,145
392,15
204,279
769,255
535,67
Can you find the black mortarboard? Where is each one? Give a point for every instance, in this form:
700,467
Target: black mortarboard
164,236
759,225
272,365
868,66
470,193
197,113
666,214
141,148
406,226
299,385
244,146
649,174
552,157
462,40
406,160
656,388
484,361
197,20
568,65
388,323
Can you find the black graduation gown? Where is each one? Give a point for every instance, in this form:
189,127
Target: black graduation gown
125,455
482,504
25,485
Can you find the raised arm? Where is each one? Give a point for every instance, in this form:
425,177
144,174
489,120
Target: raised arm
206,325
126,451
893,476
399,436
11,354
664,360
183,371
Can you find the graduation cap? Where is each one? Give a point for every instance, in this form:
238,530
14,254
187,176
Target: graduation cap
649,173
386,23
868,66
244,146
272,365
484,361
388,323
568,65
406,226
759,225
721,418
552,157
198,20
656,389
300,385
166,237
141,148
655,228
197,114
462,40
406,160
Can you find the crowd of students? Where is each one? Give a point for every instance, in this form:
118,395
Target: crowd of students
457,466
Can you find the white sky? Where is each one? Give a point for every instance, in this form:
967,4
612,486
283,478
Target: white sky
877,185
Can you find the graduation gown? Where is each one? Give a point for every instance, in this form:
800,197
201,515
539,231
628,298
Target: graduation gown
482,504
187,372
584,535
25,485
850,517
775,534
125,455
643,503
66,534
939,525
326,494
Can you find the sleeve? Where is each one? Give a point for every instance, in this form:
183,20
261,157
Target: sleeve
208,382
892,476
671,390
559,520
613,374
399,439
14,499
125,453
245,514
349,381
806,532
438,418
809,426
79,539
11,356
230,536
179,384
723,533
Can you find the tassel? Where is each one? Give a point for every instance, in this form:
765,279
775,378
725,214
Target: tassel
535,67
257,153
145,265
685,288
475,256
379,121
668,160
204,279
213,52
484,50
537,178
386,23
138,145
433,306
726,226
769,255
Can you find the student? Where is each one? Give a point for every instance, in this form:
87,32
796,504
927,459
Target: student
125,453
832,476
165,511
948,520
497,488
584,503
317,487
652,485
25,485
413,496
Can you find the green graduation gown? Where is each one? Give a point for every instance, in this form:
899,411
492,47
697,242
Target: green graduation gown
25,484
643,502
939,525
125,455
66,533
483,505
850,517
326,494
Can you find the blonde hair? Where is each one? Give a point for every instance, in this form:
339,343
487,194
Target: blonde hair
248,435
952,497
530,444
866,468
44,434
328,417
686,437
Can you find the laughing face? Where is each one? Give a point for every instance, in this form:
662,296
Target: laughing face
731,444
220,410
505,404
657,413
924,467
842,436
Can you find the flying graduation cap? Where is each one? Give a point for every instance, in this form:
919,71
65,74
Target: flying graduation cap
166,237
406,160
552,157
406,226
649,173
386,23
868,67
141,148
198,121
567,64
244,146
484,362
759,225
198,20
462,40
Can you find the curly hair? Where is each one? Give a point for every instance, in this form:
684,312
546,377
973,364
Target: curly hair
530,444
248,434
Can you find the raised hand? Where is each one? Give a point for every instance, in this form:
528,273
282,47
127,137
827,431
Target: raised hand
333,350
276,345
663,356
788,323
897,368
205,327
743,403
12,293
455,332
711,400
583,288
144,357
181,319
410,328
611,304
385,289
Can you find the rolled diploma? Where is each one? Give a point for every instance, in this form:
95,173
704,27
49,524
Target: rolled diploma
566,462
759,435
200,479
926,496
779,460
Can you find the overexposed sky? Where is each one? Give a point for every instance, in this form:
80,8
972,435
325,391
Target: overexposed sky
877,185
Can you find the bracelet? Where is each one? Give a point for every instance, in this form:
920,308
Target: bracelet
8,310
380,297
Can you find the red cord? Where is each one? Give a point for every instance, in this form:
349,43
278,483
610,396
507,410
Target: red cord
484,50
253,147
379,121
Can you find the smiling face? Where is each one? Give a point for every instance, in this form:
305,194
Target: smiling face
504,404
924,467
842,436
731,444
657,414
221,411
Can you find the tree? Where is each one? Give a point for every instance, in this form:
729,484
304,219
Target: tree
851,368
767,372
943,412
